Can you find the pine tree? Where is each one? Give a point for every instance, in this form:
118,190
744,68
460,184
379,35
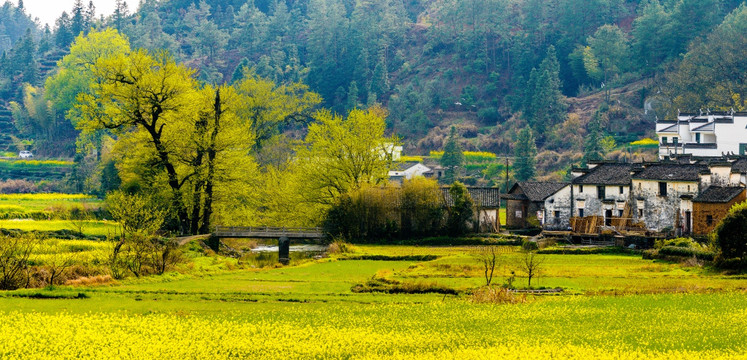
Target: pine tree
78,22
453,158
238,74
63,35
380,81
547,105
352,96
525,152
120,12
593,149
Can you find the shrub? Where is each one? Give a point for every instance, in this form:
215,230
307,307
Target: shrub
494,295
686,252
460,210
396,287
678,242
529,245
730,235
339,246
14,260
370,214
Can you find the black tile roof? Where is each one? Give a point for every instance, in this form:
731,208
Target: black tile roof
672,172
482,196
719,194
606,174
539,191
740,165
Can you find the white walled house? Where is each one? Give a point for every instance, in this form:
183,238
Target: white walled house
664,194
712,134
601,190
407,171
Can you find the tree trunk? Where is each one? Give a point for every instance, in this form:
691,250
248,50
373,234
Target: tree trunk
207,210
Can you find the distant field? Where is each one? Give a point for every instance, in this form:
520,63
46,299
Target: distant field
41,202
90,227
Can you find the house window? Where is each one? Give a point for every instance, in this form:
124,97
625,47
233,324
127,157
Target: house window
622,189
664,140
580,189
662,189
640,213
600,192
556,214
674,141
709,219
619,213
580,212
697,138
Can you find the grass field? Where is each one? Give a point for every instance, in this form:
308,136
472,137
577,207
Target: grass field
223,309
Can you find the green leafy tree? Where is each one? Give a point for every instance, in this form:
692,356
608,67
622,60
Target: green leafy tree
453,158
461,210
525,151
341,155
607,54
75,73
715,82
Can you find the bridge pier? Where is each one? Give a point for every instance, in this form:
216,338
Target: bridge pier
284,250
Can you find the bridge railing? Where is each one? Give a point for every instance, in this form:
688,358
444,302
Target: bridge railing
269,231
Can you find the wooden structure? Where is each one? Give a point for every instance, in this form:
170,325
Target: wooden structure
712,205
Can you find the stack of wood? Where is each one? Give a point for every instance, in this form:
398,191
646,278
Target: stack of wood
587,224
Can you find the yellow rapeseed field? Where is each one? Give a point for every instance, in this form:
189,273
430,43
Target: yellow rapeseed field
573,328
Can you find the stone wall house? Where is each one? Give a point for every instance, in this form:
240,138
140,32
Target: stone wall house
602,189
544,204
664,194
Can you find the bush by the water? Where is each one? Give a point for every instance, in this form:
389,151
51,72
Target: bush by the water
373,213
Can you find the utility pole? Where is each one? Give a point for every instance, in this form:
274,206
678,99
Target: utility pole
507,174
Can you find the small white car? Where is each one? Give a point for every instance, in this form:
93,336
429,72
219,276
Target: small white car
25,154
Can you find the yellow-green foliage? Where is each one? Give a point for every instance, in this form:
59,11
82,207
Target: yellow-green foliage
45,197
405,158
34,163
645,142
90,227
81,252
469,156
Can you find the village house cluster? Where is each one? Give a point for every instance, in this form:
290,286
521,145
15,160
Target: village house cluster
683,195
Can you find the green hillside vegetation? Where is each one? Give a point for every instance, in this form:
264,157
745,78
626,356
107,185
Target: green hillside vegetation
490,67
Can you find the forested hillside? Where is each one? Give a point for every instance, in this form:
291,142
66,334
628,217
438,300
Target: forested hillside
565,68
